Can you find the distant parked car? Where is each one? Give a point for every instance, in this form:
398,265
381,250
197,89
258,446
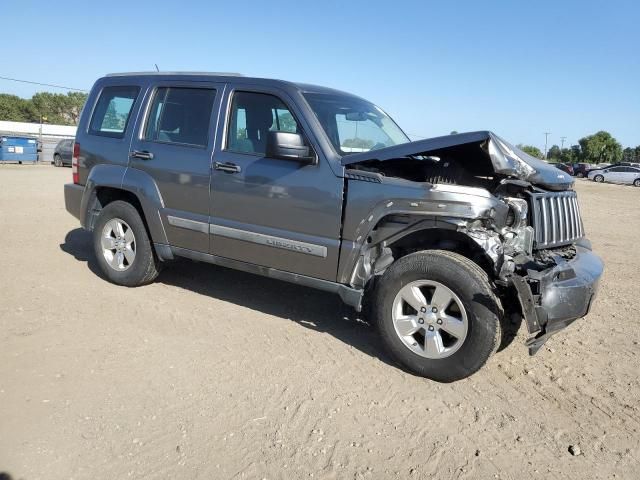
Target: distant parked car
617,174
629,164
602,165
63,153
563,166
581,170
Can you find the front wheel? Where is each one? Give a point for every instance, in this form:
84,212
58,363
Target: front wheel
598,178
122,246
438,315
636,182
580,175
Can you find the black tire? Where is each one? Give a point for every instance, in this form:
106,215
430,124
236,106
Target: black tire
636,182
580,175
145,266
598,179
57,161
471,284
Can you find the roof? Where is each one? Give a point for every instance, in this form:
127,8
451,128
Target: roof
303,87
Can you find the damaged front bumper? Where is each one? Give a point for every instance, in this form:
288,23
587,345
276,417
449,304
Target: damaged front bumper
552,299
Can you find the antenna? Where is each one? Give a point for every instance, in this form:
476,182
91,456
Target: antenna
157,69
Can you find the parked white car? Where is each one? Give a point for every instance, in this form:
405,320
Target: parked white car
617,174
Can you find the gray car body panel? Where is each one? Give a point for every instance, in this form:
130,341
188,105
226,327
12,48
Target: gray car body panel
273,212
368,203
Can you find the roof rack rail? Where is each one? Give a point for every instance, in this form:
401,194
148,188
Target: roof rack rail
212,74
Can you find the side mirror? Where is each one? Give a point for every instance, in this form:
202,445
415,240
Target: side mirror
289,146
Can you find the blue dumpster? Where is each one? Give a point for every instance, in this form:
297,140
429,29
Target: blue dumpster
18,149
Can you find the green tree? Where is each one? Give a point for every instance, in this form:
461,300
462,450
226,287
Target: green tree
570,155
576,152
600,147
63,109
631,154
16,109
531,150
628,154
554,153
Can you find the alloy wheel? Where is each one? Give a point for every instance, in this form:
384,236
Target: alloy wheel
430,319
118,244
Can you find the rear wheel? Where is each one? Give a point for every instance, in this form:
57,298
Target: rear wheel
122,246
580,175
598,178
57,160
437,315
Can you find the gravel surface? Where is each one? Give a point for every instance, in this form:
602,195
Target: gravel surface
211,373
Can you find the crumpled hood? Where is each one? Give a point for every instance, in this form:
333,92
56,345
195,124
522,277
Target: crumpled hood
505,158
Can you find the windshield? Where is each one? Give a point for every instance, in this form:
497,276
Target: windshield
353,124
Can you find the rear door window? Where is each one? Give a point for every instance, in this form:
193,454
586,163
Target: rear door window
111,115
180,115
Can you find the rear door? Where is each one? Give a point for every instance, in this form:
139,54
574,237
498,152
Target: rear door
173,144
629,175
66,151
272,212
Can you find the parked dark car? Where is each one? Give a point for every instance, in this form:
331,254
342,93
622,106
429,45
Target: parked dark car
63,153
563,166
442,239
581,170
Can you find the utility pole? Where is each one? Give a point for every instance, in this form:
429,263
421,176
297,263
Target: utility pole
546,136
562,139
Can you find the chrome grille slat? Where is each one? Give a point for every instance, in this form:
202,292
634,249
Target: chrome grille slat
556,219
574,217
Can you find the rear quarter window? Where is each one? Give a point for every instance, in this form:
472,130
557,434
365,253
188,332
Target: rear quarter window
113,109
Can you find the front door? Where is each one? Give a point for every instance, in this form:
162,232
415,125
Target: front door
271,212
173,144
613,174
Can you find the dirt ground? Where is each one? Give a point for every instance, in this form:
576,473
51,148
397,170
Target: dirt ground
211,373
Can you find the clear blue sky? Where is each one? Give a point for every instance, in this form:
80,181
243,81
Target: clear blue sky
517,68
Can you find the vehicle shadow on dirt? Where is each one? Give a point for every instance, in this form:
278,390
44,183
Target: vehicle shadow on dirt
313,309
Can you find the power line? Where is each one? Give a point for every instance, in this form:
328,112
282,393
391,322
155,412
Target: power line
44,84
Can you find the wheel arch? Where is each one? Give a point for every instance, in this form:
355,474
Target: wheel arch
395,237
107,183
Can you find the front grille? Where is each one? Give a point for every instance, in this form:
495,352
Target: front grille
556,219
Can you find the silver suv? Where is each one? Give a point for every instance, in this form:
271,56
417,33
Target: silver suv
440,239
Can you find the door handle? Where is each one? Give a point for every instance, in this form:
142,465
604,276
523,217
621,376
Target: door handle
227,167
141,154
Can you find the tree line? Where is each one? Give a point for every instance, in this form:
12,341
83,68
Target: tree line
56,108
64,109
601,147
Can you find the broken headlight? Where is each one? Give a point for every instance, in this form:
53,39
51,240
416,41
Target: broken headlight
517,234
518,212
